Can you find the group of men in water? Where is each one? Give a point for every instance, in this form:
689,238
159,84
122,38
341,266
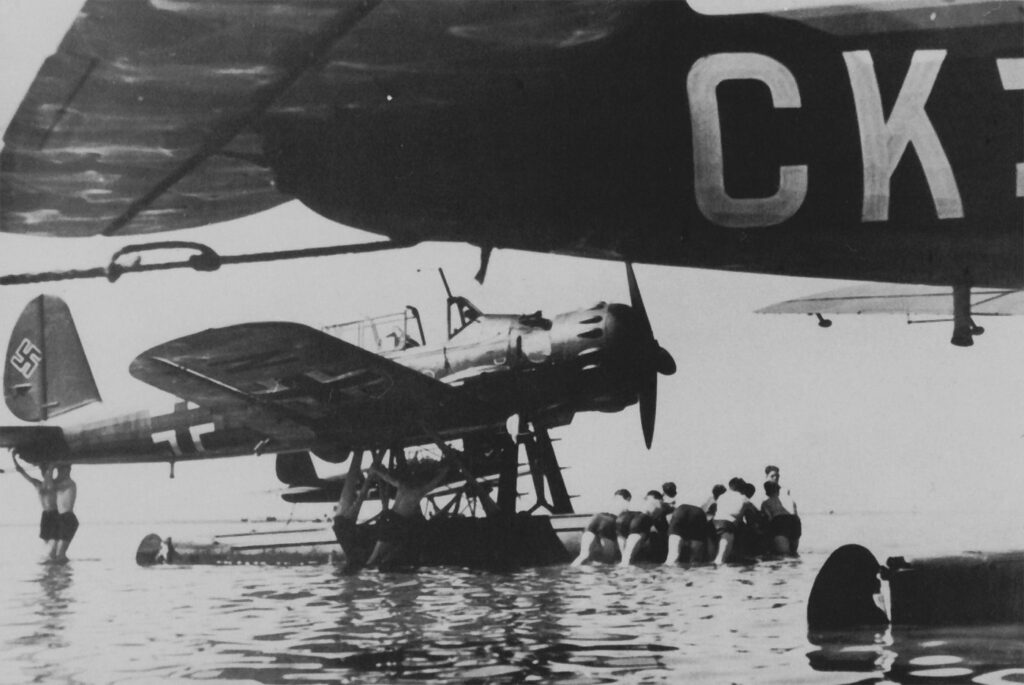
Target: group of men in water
57,494
726,527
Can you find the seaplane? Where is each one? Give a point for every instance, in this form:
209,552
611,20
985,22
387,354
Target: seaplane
369,386
870,141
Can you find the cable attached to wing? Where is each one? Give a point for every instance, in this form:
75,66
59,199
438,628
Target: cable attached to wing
129,260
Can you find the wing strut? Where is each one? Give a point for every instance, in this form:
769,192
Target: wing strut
964,328
451,453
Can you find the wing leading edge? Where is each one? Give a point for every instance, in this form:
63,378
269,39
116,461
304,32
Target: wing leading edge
291,377
894,298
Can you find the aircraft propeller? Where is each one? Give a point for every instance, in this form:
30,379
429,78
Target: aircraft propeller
653,359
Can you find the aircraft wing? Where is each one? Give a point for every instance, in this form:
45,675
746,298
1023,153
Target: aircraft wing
894,298
296,376
145,118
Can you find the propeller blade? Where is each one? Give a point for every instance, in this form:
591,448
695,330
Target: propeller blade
648,405
637,302
654,359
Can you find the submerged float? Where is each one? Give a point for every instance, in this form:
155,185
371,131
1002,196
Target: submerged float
523,540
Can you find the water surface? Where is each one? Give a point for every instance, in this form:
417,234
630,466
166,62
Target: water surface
102,619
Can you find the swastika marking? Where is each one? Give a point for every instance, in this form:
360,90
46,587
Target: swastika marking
27,358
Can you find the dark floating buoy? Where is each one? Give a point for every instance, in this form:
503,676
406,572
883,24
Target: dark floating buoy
963,589
843,594
148,550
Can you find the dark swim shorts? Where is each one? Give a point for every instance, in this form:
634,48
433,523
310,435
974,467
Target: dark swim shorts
786,525
602,525
688,522
346,531
723,526
48,525
355,541
394,528
67,525
632,522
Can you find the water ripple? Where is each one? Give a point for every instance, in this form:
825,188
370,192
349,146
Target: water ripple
106,621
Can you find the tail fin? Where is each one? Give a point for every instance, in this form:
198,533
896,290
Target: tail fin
296,470
46,373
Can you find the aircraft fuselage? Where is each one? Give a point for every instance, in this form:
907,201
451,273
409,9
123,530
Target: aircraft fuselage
874,144
546,370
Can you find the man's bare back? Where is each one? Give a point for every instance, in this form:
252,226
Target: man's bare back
66,493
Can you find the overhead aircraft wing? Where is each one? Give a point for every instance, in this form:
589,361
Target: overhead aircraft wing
895,298
289,375
146,117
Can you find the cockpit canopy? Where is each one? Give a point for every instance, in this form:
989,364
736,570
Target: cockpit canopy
382,334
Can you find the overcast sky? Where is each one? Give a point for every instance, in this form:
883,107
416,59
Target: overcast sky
871,414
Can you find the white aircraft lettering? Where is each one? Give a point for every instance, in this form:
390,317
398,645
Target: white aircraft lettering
709,178
883,141
1011,72
168,438
197,432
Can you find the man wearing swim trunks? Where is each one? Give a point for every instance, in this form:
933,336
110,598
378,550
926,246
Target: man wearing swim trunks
710,506
398,525
47,499
355,543
67,522
634,527
600,536
688,531
733,507
771,473
783,527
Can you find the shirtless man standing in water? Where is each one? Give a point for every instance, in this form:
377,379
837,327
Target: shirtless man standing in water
67,522
354,543
48,499
399,524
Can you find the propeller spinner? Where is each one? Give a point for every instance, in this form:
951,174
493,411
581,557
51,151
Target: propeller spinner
653,358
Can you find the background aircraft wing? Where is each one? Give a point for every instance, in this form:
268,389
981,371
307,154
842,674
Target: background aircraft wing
145,118
300,376
894,298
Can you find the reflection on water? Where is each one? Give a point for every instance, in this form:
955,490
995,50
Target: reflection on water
44,604
444,624
903,654
105,620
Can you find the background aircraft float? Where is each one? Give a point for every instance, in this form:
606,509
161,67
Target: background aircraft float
290,389
876,142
